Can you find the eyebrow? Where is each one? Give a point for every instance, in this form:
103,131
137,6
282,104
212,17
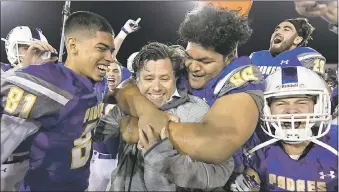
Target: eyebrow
201,59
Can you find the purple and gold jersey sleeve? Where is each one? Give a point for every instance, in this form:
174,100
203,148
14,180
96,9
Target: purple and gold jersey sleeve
24,98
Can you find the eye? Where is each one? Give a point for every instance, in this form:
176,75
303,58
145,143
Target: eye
148,78
279,104
101,49
303,102
165,78
206,62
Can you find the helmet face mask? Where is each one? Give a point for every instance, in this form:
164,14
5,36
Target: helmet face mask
299,125
21,36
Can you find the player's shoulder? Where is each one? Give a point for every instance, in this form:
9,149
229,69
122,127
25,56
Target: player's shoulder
305,53
239,76
5,67
261,53
45,80
331,138
55,74
304,50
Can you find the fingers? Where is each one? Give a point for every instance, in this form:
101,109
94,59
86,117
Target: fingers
42,47
142,138
164,133
51,59
173,118
150,135
140,146
137,21
310,8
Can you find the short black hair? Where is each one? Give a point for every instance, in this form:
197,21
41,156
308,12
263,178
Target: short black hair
155,51
85,21
303,27
214,27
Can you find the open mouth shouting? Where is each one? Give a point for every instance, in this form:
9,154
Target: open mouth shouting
277,40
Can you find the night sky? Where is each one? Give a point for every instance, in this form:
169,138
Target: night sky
159,21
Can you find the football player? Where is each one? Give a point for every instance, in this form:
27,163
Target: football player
215,75
303,152
289,40
17,42
62,103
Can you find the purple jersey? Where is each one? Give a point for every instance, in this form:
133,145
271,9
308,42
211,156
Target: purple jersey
238,76
315,170
65,108
111,145
308,57
26,144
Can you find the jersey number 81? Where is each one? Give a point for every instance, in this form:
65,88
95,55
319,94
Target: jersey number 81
13,100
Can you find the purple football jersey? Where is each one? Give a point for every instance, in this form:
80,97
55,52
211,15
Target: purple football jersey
111,145
309,58
68,106
315,170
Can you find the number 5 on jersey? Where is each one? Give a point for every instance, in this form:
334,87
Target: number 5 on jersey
13,100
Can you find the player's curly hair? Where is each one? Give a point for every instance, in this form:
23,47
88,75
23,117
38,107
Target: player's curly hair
155,51
213,27
304,29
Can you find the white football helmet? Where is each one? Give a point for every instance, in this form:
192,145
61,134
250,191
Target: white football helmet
20,35
130,61
290,82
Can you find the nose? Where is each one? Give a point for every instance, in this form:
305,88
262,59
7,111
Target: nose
194,66
291,109
109,57
109,73
156,86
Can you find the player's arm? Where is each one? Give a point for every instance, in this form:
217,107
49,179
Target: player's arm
129,27
226,126
222,127
24,101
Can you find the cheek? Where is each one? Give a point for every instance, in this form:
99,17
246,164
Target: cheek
169,86
143,86
275,110
310,109
213,69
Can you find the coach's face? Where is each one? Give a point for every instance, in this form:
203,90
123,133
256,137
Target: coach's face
156,81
